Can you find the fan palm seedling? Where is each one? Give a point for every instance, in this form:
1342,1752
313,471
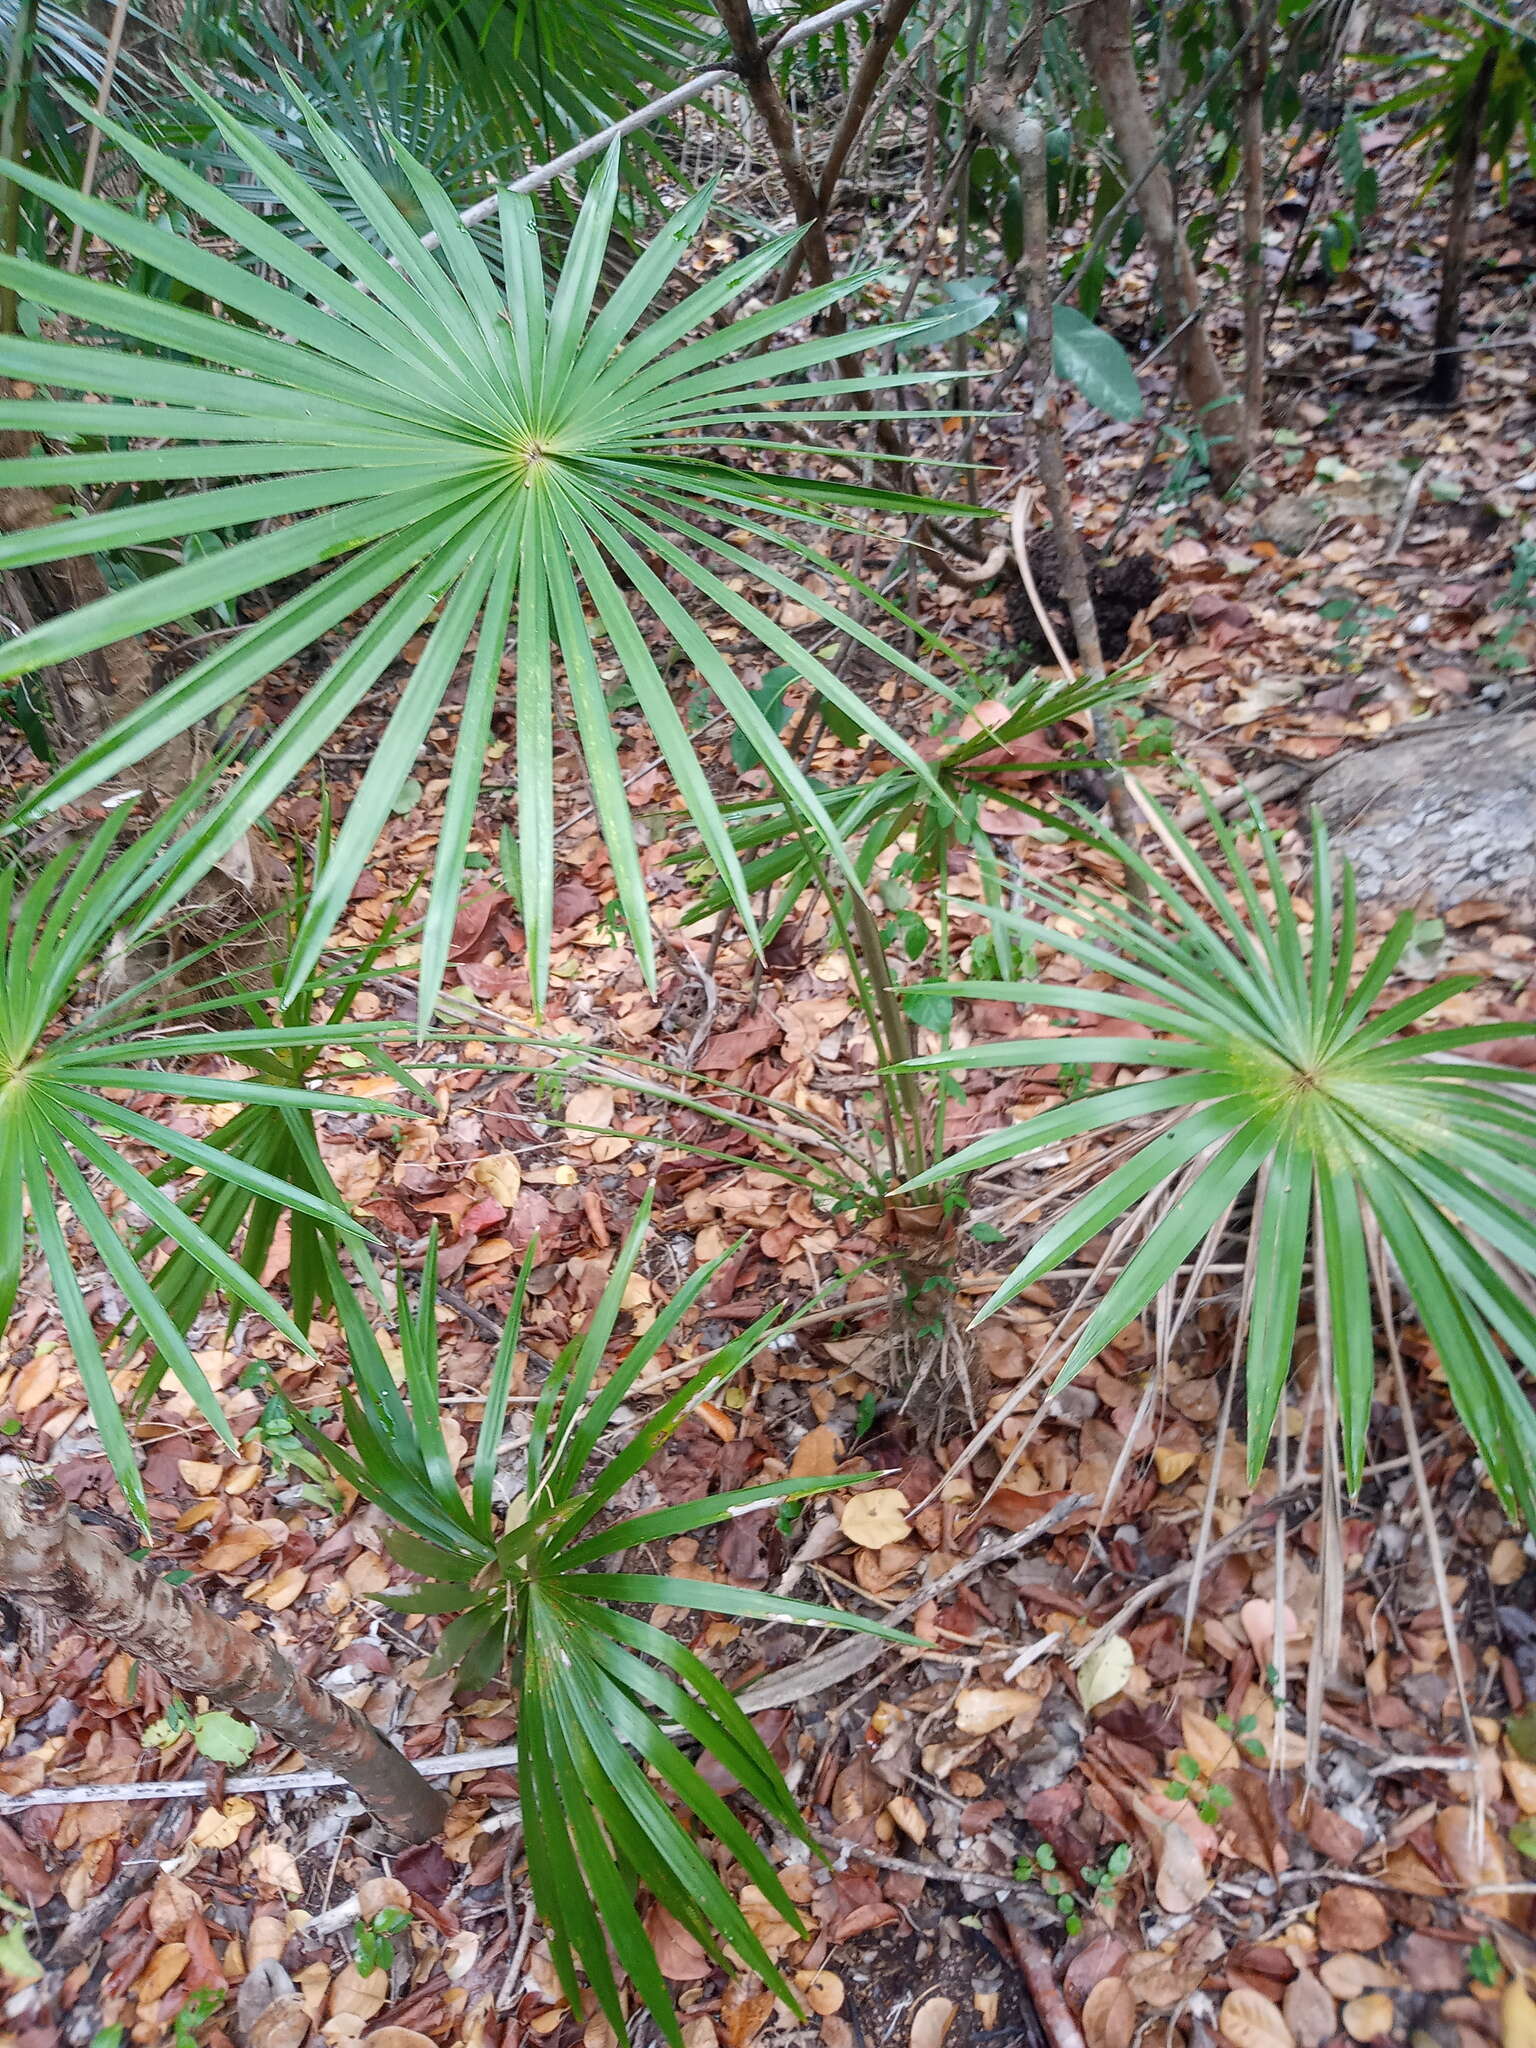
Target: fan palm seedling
475,455
1276,1072
67,1068
611,1802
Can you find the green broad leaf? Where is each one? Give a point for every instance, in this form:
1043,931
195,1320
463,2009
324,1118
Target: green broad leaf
769,697
1093,363
223,1739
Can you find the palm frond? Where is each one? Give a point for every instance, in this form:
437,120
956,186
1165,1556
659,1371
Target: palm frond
502,458
519,1577
1284,1078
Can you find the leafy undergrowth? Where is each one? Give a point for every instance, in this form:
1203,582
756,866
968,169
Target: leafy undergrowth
1146,1806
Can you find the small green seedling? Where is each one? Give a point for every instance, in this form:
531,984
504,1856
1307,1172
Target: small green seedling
376,1939
1483,1965
1039,1866
1190,1782
194,2016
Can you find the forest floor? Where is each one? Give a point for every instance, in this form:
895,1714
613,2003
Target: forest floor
1367,578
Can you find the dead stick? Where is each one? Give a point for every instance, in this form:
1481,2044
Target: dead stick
48,1556
1035,1967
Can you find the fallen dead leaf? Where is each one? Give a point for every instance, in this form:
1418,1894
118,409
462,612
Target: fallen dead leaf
1350,1917
1250,2020
1182,1880
931,2022
1517,2017
1370,2017
217,1827
1309,2010
1109,2014
1105,1672
876,1518
979,1709
822,1990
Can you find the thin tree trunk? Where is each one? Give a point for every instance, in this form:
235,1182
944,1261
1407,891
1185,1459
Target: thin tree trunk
1105,29
1253,23
752,62
999,113
861,93
78,1571
1444,387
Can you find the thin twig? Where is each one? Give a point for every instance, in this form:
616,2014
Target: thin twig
654,110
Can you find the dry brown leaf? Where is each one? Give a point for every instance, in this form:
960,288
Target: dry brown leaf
817,1454
679,1957
981,1708
1182,1881
241,1543
1350,1917
1473,1852
217,1827
397,2037
1520,1777
931,2022
1347,1975
501,1175
1250,2020
766,1921
823,1991
1212,1748
1109,2014
165,1966
744,2010
1309,2010
273,1865
1172,1464
876,1518
354,1996
1370,2017
908,1816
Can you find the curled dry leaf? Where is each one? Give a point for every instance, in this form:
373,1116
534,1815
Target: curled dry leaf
397,2037
744,2010
876,1518
1109,2014
931,2022
1347,1975
355,1996
1250,2020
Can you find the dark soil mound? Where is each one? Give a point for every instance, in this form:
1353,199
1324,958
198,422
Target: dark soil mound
1120,588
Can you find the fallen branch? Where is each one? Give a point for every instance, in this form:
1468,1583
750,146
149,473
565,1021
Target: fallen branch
48,1556
1035,1967
251,1783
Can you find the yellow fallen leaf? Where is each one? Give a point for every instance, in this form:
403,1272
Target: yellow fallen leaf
1172,1464
500,1175
931,2022
981,1708
876,1518
217,1827
1517,2017
1104,1672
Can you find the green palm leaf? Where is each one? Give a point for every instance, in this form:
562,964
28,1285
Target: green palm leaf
502,460
63,1064
1287,1080
591,1678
